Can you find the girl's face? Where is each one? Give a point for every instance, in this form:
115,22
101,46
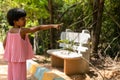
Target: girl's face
20,22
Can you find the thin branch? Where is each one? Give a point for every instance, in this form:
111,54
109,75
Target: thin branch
116,56
110,44
112,18
82,19
93,67
68,10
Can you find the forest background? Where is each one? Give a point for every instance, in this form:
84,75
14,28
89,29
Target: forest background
100,17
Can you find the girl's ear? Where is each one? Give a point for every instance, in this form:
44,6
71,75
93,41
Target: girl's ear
15,22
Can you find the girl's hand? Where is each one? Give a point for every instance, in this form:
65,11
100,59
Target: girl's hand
57,26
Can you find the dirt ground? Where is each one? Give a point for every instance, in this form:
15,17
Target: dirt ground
100,69
106,69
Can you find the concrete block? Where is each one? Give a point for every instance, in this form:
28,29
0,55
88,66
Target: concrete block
40,72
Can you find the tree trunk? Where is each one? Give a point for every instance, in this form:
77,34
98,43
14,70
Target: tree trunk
53,32
97,20
36,43
51,21
50,10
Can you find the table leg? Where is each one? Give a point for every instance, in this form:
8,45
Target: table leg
56,61
75,66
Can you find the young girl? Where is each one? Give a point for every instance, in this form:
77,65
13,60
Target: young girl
17,46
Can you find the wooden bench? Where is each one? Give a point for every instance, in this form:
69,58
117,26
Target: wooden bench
71,62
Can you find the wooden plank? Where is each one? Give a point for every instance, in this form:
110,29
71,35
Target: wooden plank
56,61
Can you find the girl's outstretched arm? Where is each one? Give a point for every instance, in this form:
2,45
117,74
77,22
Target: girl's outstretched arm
40,27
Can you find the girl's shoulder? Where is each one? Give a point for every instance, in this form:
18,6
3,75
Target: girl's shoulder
14,30
20,31
17,30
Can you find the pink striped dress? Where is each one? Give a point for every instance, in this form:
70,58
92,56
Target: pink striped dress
17,51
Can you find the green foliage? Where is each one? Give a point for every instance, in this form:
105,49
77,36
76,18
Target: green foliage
44,41
68,44
64,41
110,30
75,14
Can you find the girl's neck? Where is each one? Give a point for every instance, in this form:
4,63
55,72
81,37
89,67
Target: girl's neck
16,27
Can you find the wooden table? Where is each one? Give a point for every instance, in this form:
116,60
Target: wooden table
72,62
